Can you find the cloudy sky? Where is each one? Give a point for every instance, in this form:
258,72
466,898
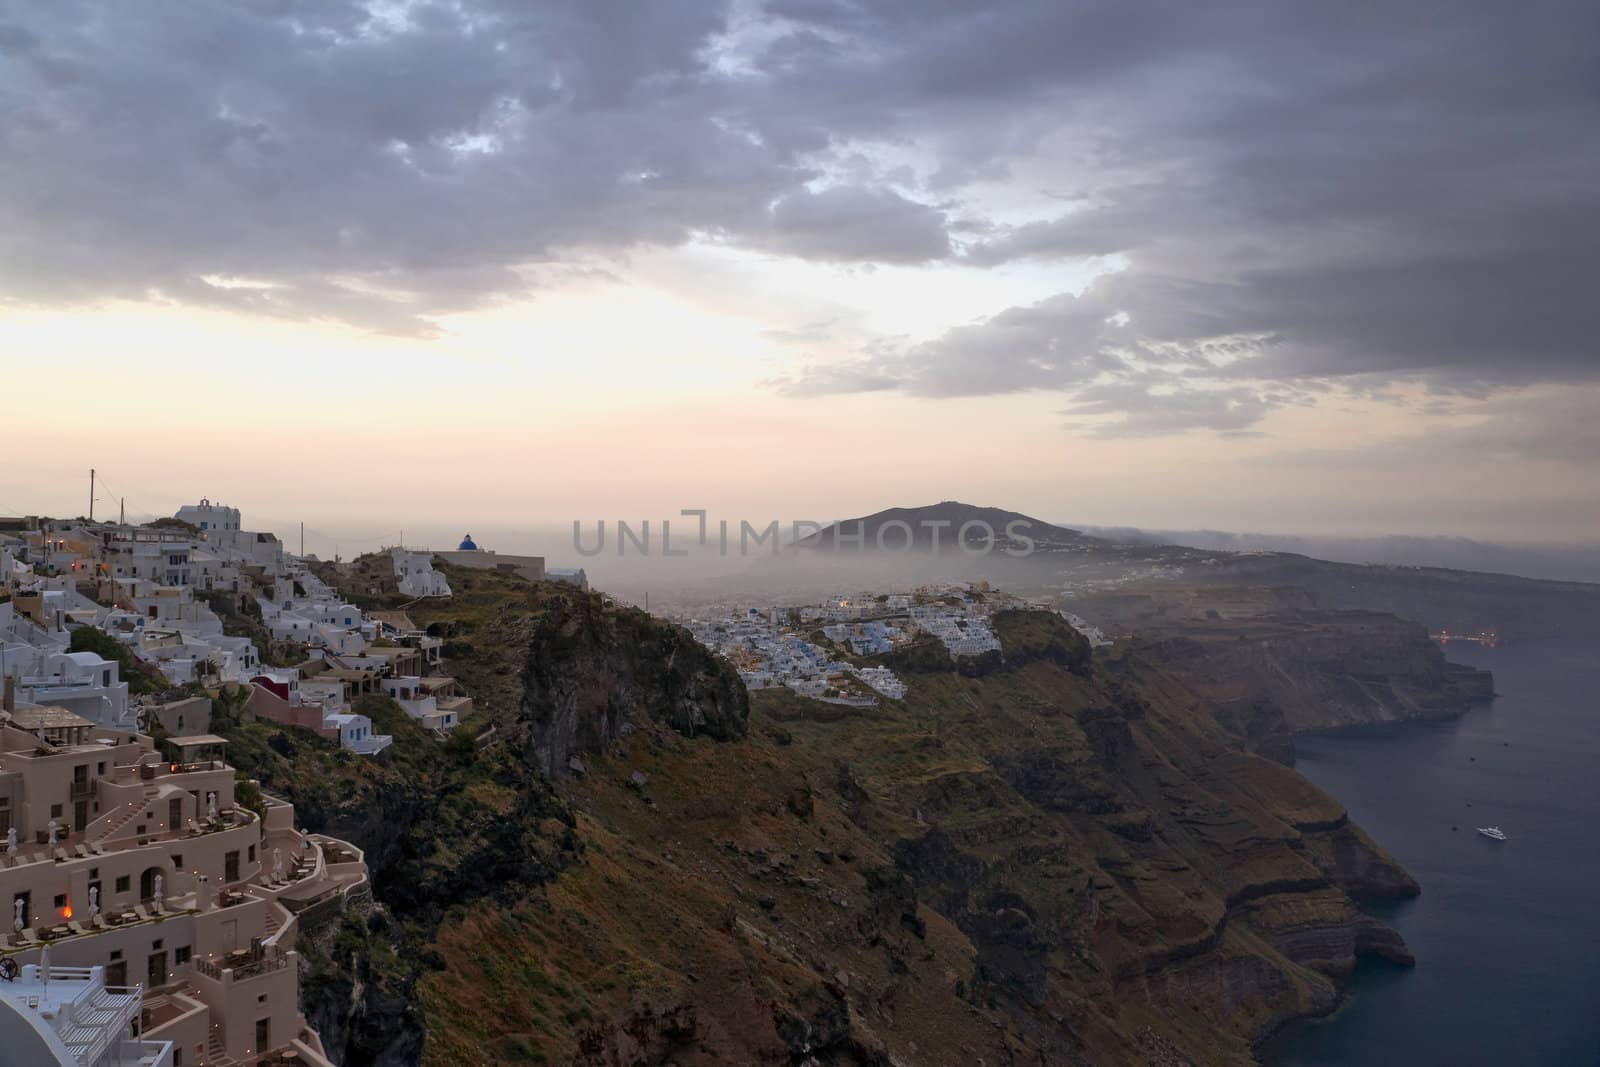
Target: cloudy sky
1297,267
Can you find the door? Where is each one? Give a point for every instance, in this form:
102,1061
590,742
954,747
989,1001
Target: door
263,1035
158,970
175,814
80,816
230,867
117,973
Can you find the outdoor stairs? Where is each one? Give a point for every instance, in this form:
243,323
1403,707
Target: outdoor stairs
126,815
216,1054
90,1023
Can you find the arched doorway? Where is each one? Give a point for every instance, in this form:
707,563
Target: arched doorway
147,884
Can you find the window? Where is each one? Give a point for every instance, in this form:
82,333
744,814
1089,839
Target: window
155,944
55,811
181,955
177,860
252,853
100,769
116,954
122,883
230,866
61,900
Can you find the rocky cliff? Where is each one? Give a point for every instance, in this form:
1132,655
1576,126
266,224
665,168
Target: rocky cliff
624,859
593,673
1271,664
1041,864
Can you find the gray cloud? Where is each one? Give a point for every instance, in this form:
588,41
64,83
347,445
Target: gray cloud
845,223
1301,192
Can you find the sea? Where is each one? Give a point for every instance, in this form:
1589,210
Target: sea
1506,934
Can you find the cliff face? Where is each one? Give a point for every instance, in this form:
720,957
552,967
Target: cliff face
473,822
1054,859
1271,664
1042,864
1327,670
592,673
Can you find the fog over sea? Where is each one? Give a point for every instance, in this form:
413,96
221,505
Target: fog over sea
1506,934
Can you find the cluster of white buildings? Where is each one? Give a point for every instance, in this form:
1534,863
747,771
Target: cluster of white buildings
768,654
146,586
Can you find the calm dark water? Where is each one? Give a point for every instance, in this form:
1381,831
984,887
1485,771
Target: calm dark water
1506,934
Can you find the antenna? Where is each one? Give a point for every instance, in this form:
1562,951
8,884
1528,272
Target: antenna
91,494
122,511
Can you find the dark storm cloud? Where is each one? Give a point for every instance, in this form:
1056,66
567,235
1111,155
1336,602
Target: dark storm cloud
1299,192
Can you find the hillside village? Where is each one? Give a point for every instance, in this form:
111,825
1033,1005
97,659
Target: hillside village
809,649
154,897
199,601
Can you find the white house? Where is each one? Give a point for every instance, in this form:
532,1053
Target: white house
355,733
416,574
207,516
81,682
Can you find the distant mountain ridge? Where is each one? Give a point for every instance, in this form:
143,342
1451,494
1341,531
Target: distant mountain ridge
1034,556
937,527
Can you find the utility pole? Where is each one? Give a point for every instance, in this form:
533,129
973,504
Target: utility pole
91,494
122,511
302,538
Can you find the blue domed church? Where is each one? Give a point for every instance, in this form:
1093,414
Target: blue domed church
467,544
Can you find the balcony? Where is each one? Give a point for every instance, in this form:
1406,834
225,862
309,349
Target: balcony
243,964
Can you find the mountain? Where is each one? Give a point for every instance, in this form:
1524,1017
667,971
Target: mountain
1043,559
946,526
1058,858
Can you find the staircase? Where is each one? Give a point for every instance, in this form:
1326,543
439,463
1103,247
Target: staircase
274,921
216,1054
125,815
96,1024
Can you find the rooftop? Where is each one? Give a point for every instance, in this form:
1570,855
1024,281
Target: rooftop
48,717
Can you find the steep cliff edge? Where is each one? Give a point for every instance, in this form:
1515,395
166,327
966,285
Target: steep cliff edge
623,858
1272,664
1039,864
593,672
473,821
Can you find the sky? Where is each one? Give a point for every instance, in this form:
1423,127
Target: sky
1298,267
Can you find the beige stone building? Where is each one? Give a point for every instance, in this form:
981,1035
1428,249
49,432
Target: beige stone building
142,877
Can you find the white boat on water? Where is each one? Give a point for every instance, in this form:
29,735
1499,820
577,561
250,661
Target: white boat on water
1492,831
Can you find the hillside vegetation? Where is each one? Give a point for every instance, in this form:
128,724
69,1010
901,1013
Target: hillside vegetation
1040,862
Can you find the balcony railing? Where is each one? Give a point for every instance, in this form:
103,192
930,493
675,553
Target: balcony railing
242,970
